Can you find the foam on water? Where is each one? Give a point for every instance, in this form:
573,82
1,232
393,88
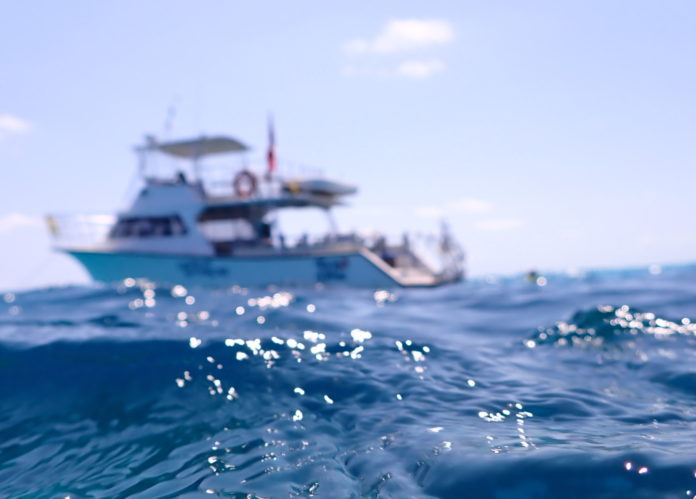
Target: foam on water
583,387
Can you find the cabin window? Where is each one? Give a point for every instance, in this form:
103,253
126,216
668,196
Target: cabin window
228,230
148,227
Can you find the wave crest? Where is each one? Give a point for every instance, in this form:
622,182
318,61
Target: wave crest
596,326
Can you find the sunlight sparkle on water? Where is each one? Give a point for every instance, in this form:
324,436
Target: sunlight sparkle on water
359,335
382,296
313,336
277,300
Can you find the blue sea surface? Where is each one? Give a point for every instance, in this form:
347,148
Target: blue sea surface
582,387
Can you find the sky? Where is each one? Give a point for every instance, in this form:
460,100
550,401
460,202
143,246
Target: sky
553,135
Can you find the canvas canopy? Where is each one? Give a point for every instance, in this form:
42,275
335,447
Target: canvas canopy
196,148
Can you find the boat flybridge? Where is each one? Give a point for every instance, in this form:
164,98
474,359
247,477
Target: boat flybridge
189,226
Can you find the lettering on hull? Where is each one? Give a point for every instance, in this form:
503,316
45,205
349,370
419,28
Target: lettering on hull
204,268
332,268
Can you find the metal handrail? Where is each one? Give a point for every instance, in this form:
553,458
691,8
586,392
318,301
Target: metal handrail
79,230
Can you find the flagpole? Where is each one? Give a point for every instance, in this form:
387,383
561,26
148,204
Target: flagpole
270,156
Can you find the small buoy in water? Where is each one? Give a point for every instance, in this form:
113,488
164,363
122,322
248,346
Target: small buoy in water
533,277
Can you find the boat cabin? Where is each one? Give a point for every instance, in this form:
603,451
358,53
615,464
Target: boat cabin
224,216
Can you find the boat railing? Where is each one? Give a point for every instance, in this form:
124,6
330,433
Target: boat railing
432,254
218,179
79,231
299,242
223,188
438,255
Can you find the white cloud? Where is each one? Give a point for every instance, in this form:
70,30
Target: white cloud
499,224
408,69
12,125
14,221
419,69
471,205
403,35
465,205
376,55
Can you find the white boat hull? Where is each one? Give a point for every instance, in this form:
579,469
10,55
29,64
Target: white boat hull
350,269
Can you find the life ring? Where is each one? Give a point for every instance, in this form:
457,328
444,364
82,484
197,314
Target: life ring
244,184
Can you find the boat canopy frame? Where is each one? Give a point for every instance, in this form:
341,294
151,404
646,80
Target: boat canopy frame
194,149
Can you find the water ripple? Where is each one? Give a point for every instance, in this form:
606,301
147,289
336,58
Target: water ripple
582,387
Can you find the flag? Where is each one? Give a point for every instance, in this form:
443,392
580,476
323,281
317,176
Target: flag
271,157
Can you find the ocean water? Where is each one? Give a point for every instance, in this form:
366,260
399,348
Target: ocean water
582,387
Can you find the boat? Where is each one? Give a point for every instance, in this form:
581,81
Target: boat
188,226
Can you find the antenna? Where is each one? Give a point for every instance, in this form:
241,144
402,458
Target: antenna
169,118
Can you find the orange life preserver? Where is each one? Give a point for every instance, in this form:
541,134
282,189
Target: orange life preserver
244,184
